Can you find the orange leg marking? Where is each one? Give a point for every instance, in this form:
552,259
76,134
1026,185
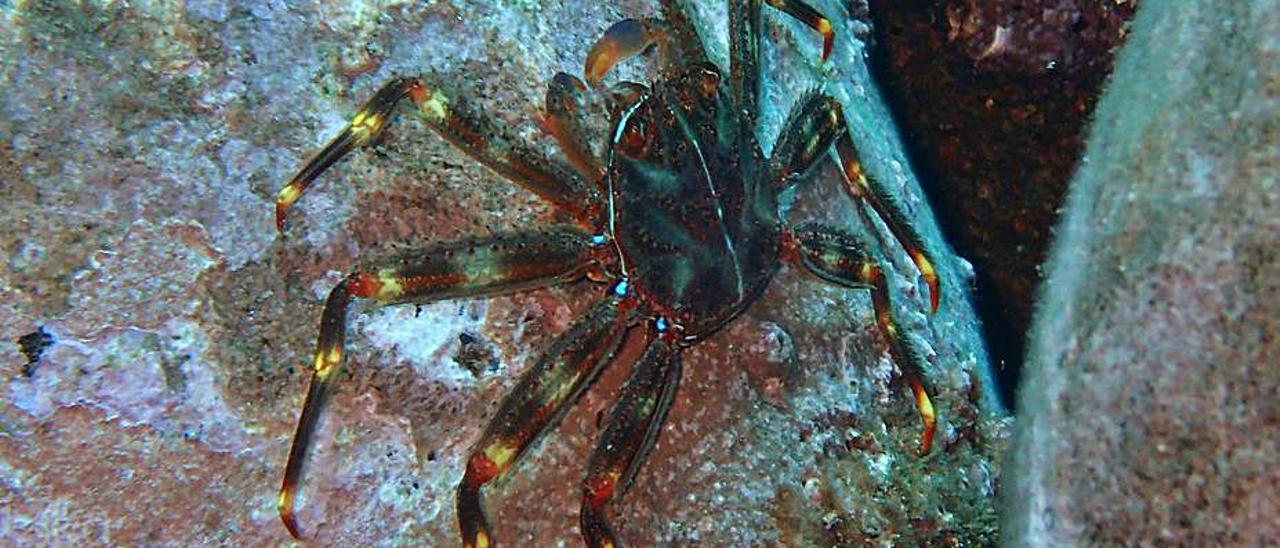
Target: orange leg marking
536,404
812,19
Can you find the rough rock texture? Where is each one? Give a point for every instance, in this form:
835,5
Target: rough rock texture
1149,413
157,330
994,97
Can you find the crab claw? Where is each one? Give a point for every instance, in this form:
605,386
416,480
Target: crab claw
625,39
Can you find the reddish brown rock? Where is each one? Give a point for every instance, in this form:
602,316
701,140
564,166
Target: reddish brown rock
148,143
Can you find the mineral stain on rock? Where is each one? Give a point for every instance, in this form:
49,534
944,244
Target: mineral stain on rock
476,355
33,345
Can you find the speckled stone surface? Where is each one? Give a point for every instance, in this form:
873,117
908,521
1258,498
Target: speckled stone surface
994,98
1149,415
156,330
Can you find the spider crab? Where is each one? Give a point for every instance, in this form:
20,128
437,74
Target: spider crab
678,222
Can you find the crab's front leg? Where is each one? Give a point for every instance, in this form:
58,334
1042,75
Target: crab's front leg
811,129
501,264
633,428
842,259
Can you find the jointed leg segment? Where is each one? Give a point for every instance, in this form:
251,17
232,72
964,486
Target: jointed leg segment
469,268
535,405
842,259
744,56
811,18
364,128
451,118
813,126
626,442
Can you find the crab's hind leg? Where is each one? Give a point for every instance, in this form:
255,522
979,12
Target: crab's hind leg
449,116
489,266
805,13
633,428
536,404
812,127
744,43
842,259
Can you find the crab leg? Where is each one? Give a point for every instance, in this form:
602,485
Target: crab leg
634,425
843,260
536,404
744,55
810,130
812,19
364,127
566,98
451,119
501,264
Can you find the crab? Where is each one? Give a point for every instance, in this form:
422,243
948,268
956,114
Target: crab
677,221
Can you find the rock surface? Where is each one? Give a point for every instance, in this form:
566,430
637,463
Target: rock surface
158,330
994,98
1149,412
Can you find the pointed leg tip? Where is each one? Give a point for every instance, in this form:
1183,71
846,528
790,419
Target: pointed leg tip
471,521
930,275
292,525
928,416
288,195
287,517
823,26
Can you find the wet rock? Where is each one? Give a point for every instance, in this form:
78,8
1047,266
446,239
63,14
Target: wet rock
1149,412
144,145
